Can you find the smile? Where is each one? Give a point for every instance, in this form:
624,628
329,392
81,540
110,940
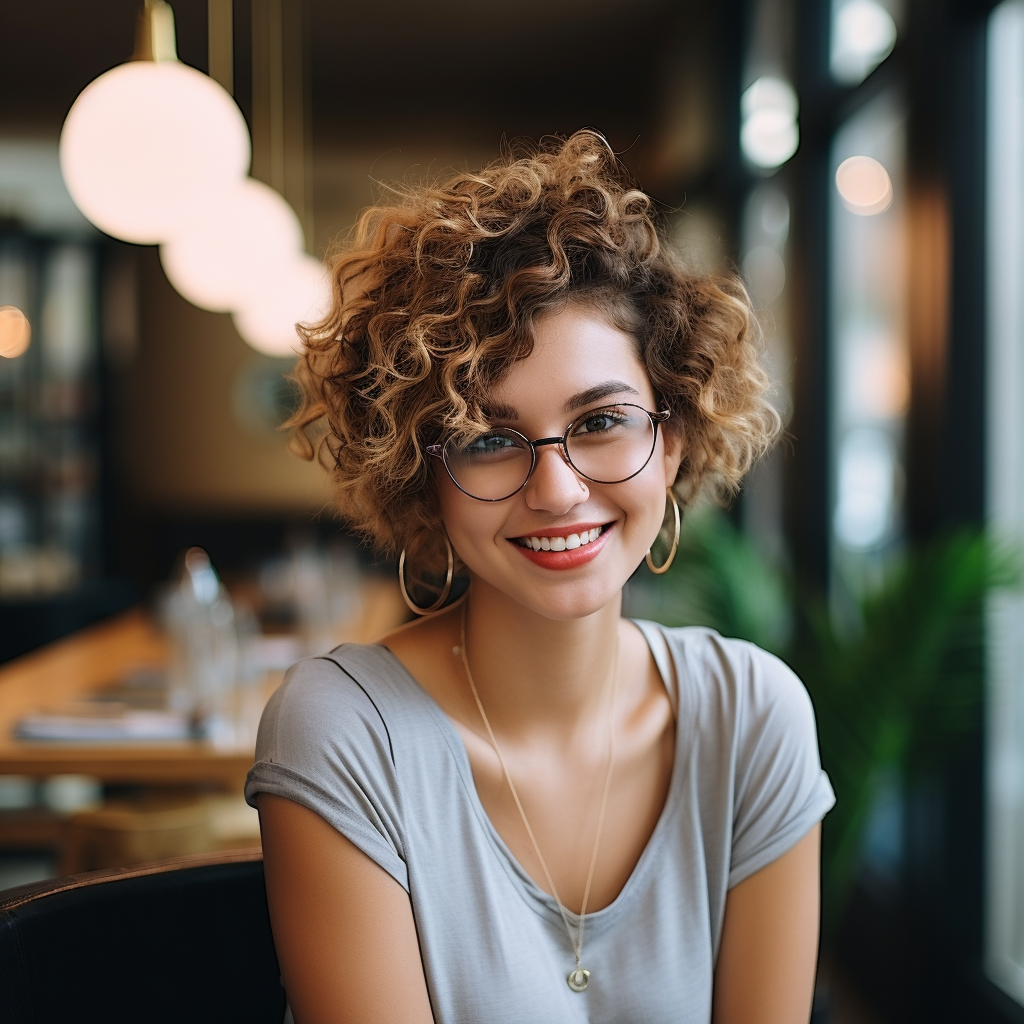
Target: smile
567,543
560,549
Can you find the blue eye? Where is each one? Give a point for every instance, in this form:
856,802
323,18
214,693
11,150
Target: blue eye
490,444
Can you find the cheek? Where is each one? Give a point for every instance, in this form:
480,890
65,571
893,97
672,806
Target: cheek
467,521
654,507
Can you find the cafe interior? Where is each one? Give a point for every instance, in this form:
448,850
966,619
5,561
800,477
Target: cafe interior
164,556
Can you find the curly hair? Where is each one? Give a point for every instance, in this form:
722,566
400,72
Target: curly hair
435,295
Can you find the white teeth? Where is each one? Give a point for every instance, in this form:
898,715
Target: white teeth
570,543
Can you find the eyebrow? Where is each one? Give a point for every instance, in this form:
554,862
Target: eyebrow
500,411
595,394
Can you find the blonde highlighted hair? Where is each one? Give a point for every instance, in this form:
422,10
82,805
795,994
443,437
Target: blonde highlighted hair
435,296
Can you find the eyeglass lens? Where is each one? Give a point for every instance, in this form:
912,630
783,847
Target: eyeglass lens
605,445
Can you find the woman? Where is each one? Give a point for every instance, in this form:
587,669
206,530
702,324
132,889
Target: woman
522,807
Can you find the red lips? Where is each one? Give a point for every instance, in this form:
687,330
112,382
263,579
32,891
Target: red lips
566,559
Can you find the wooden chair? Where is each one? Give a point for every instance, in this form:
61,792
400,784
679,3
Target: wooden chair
183,940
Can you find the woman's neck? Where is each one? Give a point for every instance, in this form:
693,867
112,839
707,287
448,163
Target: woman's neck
532,671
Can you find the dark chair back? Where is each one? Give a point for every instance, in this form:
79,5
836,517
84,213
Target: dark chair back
186,940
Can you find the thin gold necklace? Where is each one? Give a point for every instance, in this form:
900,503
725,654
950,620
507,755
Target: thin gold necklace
579,977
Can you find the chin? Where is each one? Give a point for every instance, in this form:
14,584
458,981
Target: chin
557,595
565,602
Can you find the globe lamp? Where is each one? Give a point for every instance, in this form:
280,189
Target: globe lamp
300,293
234,245
144,142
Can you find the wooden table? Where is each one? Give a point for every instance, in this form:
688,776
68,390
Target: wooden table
98,657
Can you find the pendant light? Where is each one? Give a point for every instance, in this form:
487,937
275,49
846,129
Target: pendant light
147,140
233,248
299,293
155,152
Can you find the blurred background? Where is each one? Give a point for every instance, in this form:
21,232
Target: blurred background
859,162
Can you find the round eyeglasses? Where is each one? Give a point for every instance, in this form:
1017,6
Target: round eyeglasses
605,446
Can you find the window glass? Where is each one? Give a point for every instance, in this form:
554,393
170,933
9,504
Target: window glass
764,256
869,356
1005,271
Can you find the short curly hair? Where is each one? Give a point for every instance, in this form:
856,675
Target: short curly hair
435,296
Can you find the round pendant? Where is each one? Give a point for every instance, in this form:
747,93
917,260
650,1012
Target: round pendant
578,979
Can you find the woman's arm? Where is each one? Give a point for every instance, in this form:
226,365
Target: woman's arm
343,927
767,960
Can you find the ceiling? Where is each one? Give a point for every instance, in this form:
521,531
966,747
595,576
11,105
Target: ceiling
394,83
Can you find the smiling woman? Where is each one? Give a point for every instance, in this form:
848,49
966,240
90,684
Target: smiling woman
523,807
608,470
437,297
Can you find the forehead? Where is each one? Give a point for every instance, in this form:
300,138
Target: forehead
575,349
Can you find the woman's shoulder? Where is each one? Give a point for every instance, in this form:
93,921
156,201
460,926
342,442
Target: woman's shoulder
730,677
343,671
705,645
747,719
335,693
325,673
325,741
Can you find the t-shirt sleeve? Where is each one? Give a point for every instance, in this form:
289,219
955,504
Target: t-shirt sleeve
780,790
323,743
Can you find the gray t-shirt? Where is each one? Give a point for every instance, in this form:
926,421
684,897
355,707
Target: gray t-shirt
353,737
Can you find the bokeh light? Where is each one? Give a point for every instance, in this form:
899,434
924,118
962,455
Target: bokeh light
144,141
864,185
233,246
769,135
863,35
15,332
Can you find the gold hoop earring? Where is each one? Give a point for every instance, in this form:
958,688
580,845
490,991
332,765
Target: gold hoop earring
445,591
678,517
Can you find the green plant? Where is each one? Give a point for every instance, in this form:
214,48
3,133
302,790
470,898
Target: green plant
718,579
893,688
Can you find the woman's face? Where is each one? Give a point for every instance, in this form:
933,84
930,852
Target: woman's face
576,352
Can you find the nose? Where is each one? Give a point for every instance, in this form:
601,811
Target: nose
554,485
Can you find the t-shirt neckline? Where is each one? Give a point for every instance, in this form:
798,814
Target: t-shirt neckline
534,895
